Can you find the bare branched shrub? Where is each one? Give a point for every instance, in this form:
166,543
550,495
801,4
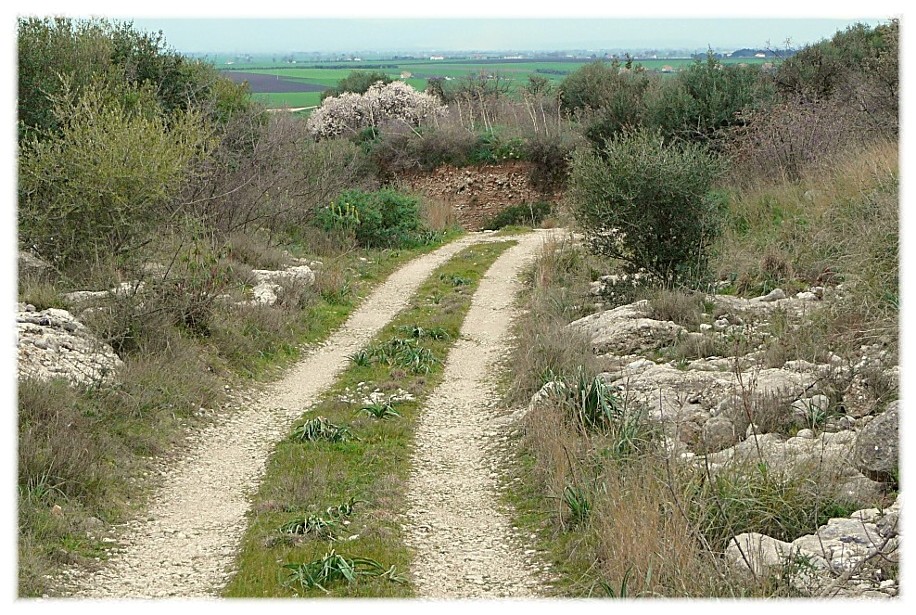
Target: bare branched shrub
402,149
253,250
783,142
267,173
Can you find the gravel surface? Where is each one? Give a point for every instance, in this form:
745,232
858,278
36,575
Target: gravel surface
463,542
186,543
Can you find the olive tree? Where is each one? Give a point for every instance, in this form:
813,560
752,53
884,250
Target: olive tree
647,203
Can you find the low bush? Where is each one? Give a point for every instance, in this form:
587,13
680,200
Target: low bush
401,149
550,157
382,219
525,214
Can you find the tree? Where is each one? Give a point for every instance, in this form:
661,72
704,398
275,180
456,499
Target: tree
357,82
349,114
647,203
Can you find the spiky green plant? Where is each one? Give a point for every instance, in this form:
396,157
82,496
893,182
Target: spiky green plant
380,409
320,428
576,499
315,525
343,510
361,357
403,352
623,591
321,525
333,568
596,404
418,332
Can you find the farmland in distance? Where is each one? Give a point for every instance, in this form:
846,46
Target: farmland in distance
286,84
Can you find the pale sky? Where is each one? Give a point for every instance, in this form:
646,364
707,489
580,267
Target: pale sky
315,34
365,25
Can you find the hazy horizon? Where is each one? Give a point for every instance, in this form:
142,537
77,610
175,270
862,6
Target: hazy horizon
234,35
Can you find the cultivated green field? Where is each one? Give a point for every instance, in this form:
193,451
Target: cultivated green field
288,99
516,72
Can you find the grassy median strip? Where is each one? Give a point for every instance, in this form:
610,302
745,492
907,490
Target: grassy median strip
327,517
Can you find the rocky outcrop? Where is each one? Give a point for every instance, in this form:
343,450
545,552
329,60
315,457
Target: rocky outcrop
627,330
672,394
477,194
86,297
270,283
53,344
877,446
808,423
845,557
825,458
30,266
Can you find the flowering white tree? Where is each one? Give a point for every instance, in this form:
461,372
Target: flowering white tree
350,113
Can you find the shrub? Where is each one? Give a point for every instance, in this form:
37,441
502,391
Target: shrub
590,86
607,97
647,203
382,219
267,173
109,56
549,157
405,149
797,135
104,182
493,147
705,101
530,214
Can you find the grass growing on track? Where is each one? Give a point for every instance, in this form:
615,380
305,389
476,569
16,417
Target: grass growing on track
306,478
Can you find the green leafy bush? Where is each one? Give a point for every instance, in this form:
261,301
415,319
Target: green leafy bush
109,56
549,156
705,101
107,178
530,214
382,219
493,147
647,203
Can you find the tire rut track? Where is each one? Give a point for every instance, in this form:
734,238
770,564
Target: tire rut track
186,543
461,539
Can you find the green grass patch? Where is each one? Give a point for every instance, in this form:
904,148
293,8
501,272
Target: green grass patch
303,477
